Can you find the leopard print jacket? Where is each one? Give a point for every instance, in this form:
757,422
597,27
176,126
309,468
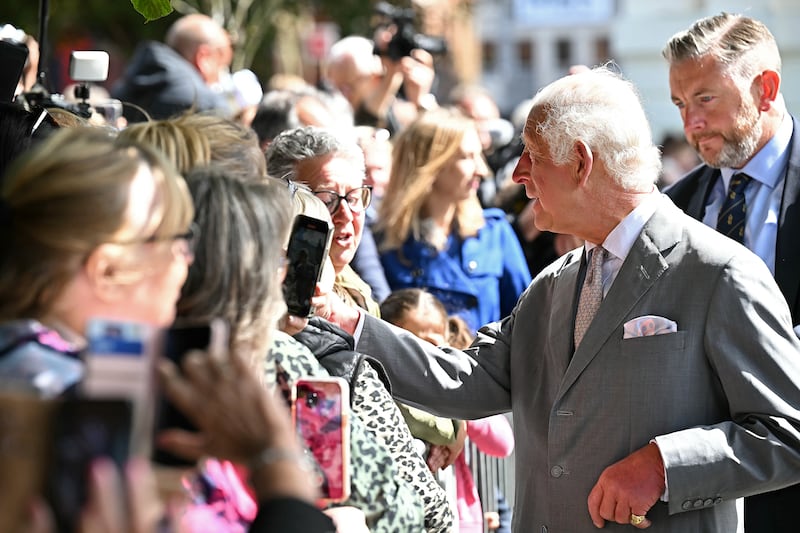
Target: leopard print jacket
390,506
372,401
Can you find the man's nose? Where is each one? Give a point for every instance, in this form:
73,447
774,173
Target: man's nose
693,118
523,169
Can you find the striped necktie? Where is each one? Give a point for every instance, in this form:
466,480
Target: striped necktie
732,215
591,294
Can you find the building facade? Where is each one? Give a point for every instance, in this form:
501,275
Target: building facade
526,44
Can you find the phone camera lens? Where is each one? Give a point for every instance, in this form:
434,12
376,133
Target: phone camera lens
312,399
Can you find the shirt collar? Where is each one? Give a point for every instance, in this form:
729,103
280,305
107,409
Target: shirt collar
767,164
620,241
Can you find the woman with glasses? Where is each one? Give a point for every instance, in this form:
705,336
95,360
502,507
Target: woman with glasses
333,169
432,231
237,277
91,227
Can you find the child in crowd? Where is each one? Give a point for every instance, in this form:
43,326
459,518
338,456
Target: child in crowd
421,313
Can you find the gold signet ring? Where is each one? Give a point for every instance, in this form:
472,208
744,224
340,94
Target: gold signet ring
636,519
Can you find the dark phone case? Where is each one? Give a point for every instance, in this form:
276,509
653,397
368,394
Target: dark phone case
12,62
83,430
306,253
178,340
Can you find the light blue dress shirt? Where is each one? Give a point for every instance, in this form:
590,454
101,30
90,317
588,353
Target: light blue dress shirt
763,194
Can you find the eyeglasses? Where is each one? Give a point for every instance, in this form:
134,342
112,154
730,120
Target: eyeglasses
190,237
358,199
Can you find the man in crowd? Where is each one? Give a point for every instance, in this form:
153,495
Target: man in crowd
653,374
190,70
724,76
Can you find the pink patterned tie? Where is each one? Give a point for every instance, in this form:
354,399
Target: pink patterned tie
591,294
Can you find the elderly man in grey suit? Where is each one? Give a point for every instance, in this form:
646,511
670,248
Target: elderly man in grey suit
652,374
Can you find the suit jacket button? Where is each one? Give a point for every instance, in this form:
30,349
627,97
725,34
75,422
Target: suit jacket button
686,505
557,471
698,503
708,502
717,500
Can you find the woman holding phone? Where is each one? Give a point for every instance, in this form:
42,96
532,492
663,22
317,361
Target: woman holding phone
237,276
91,227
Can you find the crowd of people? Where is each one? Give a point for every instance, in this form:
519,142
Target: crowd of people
637,316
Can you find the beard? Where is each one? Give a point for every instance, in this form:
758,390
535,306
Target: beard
739,144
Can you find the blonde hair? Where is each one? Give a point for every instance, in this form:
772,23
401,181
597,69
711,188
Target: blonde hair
306,203
420,153
199,139
66,197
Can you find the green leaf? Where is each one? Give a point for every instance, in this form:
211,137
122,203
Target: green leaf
152,9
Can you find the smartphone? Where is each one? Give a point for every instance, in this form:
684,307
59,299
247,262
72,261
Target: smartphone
13,56
321,416
119,360
308,248
177,341
84,429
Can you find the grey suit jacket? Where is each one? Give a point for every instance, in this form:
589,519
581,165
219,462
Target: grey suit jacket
721,394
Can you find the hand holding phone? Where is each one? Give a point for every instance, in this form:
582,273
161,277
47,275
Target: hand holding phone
321,415
178,340
84,430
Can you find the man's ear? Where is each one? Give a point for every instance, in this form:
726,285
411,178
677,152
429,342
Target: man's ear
584,162
101,272
203,59
769,83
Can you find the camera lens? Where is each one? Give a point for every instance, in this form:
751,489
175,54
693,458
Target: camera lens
312,398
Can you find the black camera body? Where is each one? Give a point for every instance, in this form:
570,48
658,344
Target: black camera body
84,67
406,38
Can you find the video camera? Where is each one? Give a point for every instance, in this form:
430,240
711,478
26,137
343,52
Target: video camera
406,38
85,67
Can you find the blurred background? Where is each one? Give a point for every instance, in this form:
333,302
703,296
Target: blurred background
511,47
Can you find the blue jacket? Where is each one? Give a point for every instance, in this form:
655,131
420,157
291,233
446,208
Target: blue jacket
479,279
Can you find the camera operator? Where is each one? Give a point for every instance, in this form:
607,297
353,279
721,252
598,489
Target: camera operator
388,80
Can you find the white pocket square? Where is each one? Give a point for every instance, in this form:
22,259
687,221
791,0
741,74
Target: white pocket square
645,326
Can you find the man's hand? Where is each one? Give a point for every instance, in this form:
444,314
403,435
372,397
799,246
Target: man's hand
418,75
630,486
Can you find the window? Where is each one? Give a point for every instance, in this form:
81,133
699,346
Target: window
602,49
525,53
489,54
564,53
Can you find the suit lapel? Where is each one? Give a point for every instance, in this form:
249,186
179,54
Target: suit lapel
562,315
644,265
696,208
787,248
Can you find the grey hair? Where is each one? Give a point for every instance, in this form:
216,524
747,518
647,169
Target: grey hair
301,144
356,48
603,110
744,46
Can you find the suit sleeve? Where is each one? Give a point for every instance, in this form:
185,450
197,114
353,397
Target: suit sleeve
447,382
755,356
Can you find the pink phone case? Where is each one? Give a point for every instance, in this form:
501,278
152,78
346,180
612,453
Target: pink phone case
321,414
